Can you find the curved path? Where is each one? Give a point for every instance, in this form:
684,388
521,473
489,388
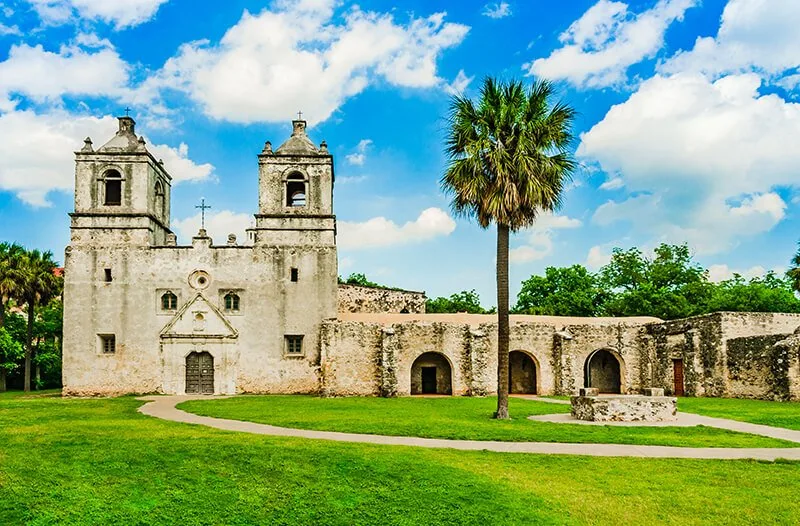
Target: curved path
164,407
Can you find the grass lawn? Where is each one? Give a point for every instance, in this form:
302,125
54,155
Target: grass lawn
456,417
99,462
778,414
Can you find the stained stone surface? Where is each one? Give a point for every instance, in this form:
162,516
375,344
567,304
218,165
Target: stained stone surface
624,408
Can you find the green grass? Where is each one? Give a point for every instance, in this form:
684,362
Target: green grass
778,414
465,418
88,462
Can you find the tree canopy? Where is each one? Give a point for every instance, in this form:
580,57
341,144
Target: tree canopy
668,285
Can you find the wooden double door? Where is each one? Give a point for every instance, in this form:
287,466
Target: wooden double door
199,373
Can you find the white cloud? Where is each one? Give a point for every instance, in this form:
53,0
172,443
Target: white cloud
9,30
753,35
722,272
701,158
539,237
497,10
37,152
613,184
120,13
459,84
47,76
360,155
218,225
178,163
381,232
600,46
303,58
597,258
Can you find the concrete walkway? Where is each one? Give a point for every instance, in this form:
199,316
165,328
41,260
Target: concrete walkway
164,407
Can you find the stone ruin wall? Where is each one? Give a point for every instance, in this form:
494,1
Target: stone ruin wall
355,298
361,358
728,354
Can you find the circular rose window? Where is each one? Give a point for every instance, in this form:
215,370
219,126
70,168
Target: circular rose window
199,279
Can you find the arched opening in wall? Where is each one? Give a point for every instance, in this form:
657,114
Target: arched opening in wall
431,374
199,373
521,373
603,371
295,190
160,200
112,188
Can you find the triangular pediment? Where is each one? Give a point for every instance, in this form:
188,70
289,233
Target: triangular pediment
199,318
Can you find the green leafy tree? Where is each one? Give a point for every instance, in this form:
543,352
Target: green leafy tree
669,285
564,291
508,161
38,285
360,279
10,354
47,331
464,301
770,293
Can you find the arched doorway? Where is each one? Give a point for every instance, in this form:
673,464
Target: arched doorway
199,373
602,371
431,374
521,373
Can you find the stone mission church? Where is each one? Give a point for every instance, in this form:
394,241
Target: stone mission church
143,314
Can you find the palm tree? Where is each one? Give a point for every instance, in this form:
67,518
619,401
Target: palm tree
10,255
38,286
794,272
508,162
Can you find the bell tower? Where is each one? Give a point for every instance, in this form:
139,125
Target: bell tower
295,193
122,193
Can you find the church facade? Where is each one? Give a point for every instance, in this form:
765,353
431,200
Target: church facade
143,314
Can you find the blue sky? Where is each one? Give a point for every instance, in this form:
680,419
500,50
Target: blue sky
687,131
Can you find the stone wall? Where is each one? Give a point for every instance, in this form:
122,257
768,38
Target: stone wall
367,354
355,298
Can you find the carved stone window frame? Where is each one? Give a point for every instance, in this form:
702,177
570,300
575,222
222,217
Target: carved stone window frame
242,303
160,293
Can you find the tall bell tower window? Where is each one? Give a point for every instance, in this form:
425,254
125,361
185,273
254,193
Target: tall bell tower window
295,190
160,200
112,188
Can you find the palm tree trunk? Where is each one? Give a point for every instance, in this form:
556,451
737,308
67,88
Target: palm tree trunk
502,322
29,345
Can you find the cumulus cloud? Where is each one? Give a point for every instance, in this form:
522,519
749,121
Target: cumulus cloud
120,13
700,157
298,56
358,157
596,258
753,35
37,152
381,232
497,10
46,76
539,238
613,184
459,84
599,47
218,225
722,272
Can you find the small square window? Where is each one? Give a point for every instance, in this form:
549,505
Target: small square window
295,274
294,345
107,275
108,343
